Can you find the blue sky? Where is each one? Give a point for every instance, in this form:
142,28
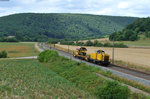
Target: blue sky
137,8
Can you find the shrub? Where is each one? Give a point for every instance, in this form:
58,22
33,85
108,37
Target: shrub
48,55
95,42
52,41
67,43
3,54
88,43
113,90
79,44
121,45
108,44
99,45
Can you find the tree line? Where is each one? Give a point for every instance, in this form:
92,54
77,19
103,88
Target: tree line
96,43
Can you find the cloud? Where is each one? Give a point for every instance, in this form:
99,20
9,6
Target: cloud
123,5
138,8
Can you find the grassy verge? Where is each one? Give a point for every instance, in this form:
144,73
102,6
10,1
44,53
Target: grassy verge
83,76
142,42
18,49
28,79
125,81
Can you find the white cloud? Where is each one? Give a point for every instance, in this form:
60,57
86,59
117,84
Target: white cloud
123,5
105,11
26,1
139,8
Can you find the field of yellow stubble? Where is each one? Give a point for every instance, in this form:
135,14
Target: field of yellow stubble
19,50
138,56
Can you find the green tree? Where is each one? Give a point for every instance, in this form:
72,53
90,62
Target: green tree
88,43
52,41
95,42
48,55
113,90
148,34
3,54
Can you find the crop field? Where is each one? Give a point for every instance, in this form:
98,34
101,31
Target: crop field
28,79
137,56
18,49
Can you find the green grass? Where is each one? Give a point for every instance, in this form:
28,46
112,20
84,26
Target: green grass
143,43
83,76
28,79
80,74
18,49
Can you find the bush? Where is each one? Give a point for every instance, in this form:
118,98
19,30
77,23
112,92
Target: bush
99,45
108,44
113,90
67,43
79,44
88,43
52,41
121,45
48,55
3,54
95,42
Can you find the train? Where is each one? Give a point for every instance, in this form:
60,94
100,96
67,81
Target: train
97,57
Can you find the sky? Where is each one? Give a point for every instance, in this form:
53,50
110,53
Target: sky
135,8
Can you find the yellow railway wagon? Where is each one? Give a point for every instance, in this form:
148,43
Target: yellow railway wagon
99,57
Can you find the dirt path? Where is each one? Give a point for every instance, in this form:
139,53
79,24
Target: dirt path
30,57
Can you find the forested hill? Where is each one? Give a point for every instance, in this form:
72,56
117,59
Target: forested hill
40,27
132,31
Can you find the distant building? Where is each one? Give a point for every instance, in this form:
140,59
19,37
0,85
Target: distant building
10,36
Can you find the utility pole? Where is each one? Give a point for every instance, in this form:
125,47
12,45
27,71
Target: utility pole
68,48
113,52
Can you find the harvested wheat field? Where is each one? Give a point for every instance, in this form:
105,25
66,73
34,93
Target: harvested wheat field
138,56
18,49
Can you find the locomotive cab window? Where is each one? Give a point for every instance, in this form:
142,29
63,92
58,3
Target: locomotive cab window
100,52
103,52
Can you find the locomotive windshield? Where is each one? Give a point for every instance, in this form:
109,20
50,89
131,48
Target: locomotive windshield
100,51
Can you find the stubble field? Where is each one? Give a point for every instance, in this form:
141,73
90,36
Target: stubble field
18,49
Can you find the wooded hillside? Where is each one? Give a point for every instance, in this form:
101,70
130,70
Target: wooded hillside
40,27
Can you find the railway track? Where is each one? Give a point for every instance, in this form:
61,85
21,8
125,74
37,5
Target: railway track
141,77
130,71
